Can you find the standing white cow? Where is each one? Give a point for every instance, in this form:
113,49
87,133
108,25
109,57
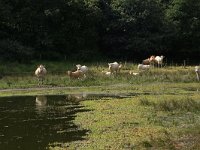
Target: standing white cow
197,70
114,67
40,72
159,60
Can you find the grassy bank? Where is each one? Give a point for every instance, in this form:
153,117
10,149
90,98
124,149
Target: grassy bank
144,88
22,76
141,122
19,79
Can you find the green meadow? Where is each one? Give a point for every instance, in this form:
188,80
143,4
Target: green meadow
163,111
14,75
142,122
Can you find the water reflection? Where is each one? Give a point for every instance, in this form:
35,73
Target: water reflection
40,102
22,128
76,98
35,122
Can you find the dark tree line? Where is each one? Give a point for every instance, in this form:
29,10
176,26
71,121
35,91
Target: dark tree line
96,29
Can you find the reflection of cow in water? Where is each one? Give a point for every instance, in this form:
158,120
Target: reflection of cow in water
40,102
76,97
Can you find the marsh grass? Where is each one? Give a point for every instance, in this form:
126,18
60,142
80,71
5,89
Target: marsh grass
183,105
14,75
172,104
163,113
141,122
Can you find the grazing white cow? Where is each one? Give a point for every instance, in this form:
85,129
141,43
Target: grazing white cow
197,70
84,68
76,74
159,60
114,67
40,72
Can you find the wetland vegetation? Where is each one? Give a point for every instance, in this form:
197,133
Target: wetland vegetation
14,75
158,109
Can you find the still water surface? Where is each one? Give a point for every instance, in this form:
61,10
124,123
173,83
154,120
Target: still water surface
31,123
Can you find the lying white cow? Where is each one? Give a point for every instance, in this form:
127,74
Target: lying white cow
75,75
143,67
107,73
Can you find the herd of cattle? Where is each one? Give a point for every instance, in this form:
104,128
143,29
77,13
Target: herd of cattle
114,68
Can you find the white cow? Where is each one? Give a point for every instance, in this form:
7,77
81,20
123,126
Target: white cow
40,72
84,68
159,60
197,70
114,67
143,67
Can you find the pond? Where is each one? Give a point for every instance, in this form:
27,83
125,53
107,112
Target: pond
34,122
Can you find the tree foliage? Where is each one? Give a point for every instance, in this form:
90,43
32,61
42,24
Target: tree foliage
97,29
184,17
